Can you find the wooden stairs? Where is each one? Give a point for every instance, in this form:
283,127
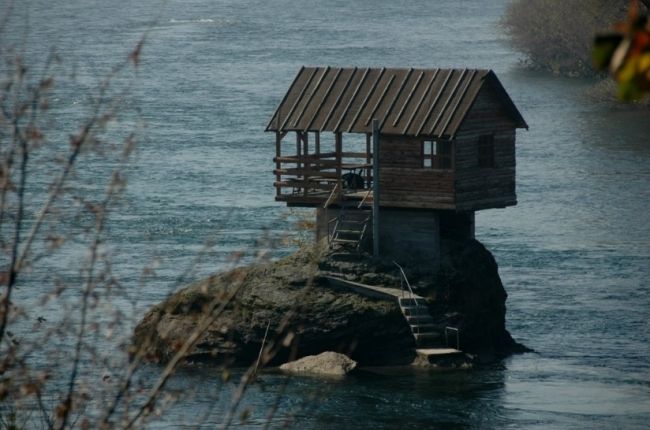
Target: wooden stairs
352,222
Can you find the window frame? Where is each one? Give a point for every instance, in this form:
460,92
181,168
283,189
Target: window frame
486,158
437,154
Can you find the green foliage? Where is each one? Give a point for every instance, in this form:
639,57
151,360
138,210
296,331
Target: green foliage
626,54
558,35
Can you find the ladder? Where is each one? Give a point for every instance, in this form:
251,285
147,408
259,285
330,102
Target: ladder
351,224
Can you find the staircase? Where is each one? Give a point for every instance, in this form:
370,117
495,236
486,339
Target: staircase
417,315
352,222
416,312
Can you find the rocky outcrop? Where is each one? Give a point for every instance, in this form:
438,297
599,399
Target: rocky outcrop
306,316
327,364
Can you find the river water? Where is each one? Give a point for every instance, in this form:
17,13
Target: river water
574,255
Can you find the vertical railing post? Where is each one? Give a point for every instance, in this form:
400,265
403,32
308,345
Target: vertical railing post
375,187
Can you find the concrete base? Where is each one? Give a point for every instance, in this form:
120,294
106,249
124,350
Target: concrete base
448,358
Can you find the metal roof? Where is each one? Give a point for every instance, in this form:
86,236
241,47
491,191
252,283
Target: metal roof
413,102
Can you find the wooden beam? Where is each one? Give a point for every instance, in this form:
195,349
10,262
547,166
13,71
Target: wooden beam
338,99
408,99
298,149
324,100
368,159
375,187
354,96
278,156
392,104
276,115
455,108
444,107
298,99
417,106
381,99
434,103
339,161
311,96
367,99
305,141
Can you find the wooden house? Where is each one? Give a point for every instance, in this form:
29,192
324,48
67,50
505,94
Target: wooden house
445,148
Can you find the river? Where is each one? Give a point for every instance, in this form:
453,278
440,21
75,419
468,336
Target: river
574,254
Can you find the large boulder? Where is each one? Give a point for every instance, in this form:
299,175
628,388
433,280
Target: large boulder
306,316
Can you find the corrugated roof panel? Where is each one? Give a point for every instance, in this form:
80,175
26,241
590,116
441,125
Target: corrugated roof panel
313,100
299,98
282,111
352,94
445,107
463,103
417,99
430,101
361,100
414,102
341,91
376,104
399,103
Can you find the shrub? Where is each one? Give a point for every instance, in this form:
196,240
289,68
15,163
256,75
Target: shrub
558,36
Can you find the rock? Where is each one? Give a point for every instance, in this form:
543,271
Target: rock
327,363
307,316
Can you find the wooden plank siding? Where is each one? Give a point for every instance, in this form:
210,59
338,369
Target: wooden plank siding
404,183
485,187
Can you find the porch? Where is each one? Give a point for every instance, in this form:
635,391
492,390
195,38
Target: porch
319,172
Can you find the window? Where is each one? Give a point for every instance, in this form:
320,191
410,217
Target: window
486,150
437,154
427,153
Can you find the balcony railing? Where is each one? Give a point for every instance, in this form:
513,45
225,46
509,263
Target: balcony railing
313,177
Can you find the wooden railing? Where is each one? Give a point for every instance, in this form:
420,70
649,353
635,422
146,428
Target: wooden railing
317,175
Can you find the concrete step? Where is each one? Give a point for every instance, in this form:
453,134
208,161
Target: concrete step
424,328
414,310
426,336
419,319
443,358
407,301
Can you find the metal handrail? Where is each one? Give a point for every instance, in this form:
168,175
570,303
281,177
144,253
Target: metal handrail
453,329
402,279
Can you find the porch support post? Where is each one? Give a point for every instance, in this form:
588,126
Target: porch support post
339,161
307,166
375,187
298,150
278,164
368,156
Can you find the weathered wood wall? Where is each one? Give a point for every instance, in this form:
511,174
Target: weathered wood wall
409,234
403,233
485,187
403,180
